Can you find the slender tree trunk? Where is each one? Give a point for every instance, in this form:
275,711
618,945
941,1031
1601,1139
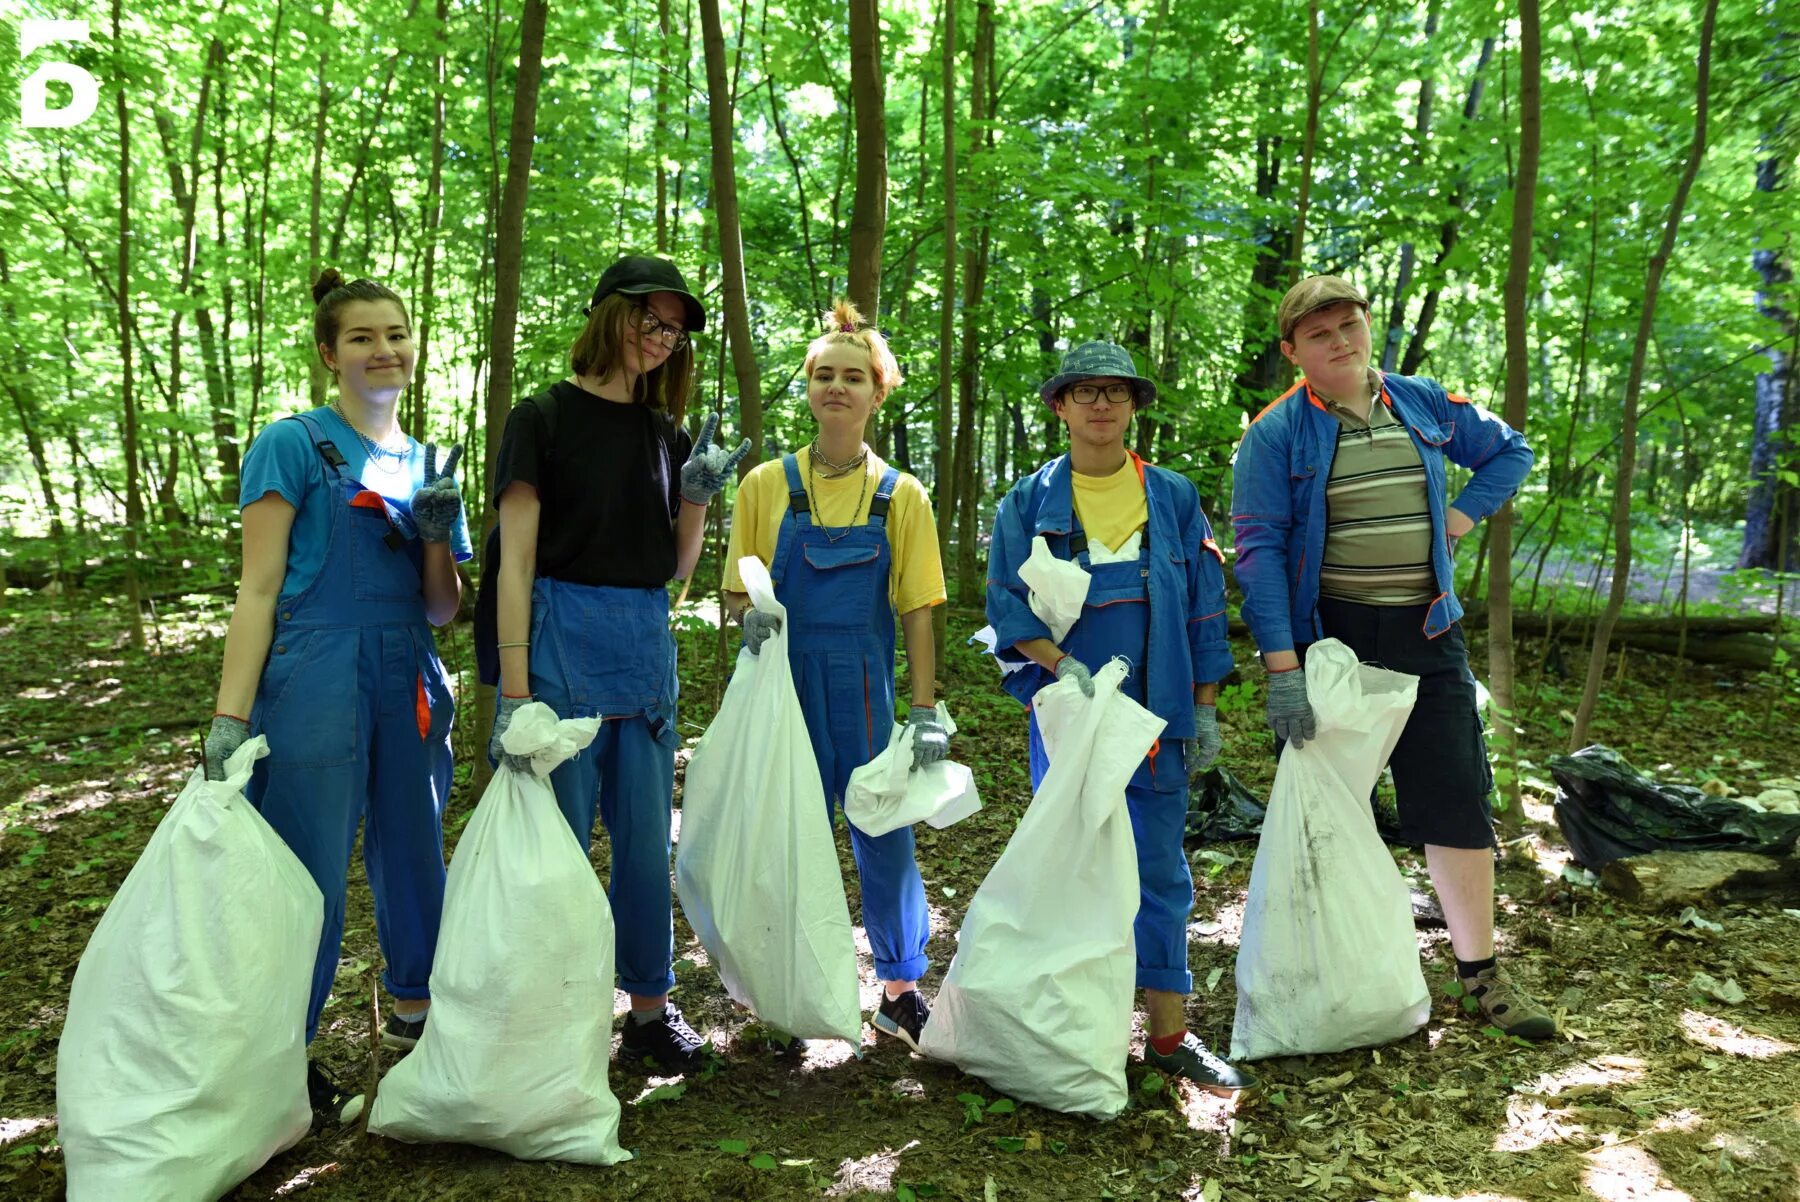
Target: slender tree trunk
1315,83
868,209
942,468
258,248
966,462
1396,324
1501,676
434,220
660,134
317,375
1634,382
1775,424
134,500
731,238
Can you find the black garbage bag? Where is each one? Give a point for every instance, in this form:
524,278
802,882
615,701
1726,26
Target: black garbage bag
1608,810
1222,810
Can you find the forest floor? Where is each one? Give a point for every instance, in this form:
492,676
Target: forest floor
1655,1090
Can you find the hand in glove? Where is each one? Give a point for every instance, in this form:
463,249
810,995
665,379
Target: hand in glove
437,505
1207,739
1290,713
758,626
226,736
1068,667
932,742
504,709
707,469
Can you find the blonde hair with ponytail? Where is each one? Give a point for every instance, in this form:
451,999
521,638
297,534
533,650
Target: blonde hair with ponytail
844,325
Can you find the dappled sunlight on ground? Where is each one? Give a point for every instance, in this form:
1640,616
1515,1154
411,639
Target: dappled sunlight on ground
1628,1173
1532,1124
1590,1076
304,1178
1716,1033
18,1128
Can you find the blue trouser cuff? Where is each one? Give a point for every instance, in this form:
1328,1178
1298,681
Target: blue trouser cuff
649,988
406,993
909,969
1169,980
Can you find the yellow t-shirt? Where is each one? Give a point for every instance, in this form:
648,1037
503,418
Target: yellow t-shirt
917,575
1111,508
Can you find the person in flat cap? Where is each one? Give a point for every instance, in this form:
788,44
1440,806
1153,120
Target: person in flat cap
1141,534
1344,530
602,498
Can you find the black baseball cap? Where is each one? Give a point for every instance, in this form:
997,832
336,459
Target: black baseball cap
640,275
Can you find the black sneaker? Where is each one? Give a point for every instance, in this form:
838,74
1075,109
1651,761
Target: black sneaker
668,1042
1195,1061
328,1098
903,1017
403,1033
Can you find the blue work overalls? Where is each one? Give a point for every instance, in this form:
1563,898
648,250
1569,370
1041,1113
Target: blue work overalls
357,712
1115,621
599,651
840,627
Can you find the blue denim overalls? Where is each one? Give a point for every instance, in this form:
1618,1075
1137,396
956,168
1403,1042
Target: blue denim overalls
1115,621
841,646
357,713
603,652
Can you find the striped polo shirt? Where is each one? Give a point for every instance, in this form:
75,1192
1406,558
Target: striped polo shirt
1377,516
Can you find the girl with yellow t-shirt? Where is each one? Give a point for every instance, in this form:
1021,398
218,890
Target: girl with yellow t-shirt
850,541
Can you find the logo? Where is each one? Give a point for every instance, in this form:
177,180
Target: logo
34,94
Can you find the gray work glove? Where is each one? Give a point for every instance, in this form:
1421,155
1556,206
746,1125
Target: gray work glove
932,742
758,626
708,467
437,505
1290,713
226,736
1069,667
1207,739
504,709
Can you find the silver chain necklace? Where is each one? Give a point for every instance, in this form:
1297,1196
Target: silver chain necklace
376,452
813,493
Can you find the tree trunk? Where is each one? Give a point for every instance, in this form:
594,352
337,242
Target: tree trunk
1634,382
1501,677
1450,230
731,240
1396,323
662,127
966,465
1315,84
509,238
434,219
1262,348
942,468
259,248
134,500
1776,423
868,212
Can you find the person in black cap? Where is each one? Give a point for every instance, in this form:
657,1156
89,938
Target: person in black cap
602,498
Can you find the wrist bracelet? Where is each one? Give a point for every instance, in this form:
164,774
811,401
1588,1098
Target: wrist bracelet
505,645
233,717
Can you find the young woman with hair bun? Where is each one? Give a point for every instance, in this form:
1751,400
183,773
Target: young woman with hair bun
352,532
850,542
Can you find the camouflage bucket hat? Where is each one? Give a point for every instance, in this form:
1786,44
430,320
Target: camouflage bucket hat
1092,359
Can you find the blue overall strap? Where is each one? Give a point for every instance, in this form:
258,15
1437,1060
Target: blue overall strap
798,503
334,458
884,496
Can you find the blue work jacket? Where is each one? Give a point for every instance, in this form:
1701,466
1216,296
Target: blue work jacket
1278,497
1186,586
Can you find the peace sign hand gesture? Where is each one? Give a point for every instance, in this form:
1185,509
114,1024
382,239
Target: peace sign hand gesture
438,504
707,469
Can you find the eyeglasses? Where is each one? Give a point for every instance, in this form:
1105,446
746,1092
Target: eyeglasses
1087,394
651,326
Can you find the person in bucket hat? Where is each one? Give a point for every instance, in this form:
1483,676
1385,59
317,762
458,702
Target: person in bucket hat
1142,536
1344,530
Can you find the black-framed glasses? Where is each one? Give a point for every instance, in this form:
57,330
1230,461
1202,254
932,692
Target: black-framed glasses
1087,394
651,326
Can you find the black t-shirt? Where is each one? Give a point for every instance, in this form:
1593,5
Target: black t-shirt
608,481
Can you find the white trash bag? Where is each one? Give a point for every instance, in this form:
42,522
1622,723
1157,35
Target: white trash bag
1058,588
886,794
757,869
1037,1001
514,1055
182,1066
1329,959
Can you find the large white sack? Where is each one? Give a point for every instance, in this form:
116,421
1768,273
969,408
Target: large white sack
757,868
182,1066
514,1055
1037,1001
1329,959
887,793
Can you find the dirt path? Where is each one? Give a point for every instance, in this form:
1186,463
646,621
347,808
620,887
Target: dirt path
1656,1092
